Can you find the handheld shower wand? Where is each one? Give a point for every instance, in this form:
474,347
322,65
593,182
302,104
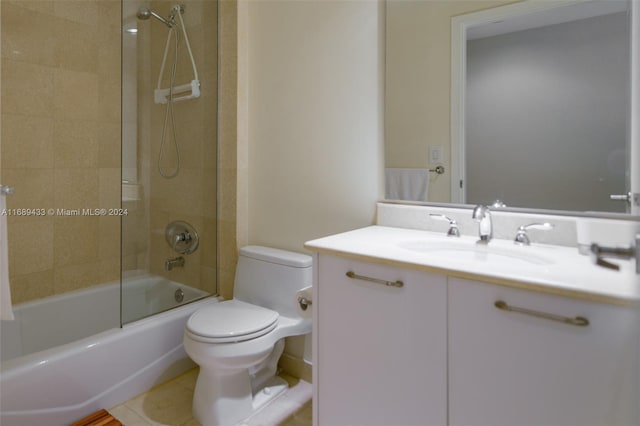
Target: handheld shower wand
166,96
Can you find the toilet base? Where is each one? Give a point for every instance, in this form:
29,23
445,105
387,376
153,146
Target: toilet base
226,397
230,411
272,389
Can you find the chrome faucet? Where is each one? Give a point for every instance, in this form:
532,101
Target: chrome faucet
485,227
169,264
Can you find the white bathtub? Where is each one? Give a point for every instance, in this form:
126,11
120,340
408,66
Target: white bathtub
50,374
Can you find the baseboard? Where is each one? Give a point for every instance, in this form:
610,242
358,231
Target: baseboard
296,367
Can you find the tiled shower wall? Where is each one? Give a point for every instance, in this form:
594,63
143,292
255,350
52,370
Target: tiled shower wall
190,196
61,132
61,142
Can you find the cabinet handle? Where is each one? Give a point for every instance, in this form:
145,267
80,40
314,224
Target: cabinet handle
577,321
355,276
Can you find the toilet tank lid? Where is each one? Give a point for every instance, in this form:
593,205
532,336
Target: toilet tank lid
280,257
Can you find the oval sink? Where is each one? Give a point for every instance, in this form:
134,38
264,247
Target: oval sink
471,251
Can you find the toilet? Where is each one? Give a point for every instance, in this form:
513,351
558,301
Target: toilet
237,343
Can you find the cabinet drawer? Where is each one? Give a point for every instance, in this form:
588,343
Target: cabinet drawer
528,366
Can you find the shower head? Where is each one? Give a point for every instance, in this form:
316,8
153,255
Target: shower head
145,13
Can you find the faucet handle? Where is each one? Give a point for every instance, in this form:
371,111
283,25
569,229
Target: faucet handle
522,238
453,225
599,252
182,237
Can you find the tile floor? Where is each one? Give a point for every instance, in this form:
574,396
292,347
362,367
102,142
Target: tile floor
169,404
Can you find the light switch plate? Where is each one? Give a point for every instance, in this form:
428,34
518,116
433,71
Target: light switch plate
435,154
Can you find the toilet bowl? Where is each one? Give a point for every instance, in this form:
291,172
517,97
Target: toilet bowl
237,343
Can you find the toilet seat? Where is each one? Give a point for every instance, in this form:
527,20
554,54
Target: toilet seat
231,321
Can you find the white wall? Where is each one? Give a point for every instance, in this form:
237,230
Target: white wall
315,123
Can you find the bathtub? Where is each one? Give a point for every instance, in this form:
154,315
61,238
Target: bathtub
52,374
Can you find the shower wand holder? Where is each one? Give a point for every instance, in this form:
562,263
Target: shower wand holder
161,96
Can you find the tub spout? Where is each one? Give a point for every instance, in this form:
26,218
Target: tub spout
169,264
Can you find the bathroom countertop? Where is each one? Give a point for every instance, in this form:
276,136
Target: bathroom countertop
553,269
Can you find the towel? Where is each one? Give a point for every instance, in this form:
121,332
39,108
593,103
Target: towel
407,184
6,311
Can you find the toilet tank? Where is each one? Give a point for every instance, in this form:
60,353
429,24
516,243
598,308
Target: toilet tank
271,277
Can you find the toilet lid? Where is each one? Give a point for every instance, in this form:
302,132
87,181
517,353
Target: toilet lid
232,321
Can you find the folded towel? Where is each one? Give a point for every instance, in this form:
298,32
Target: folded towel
6,311
407,184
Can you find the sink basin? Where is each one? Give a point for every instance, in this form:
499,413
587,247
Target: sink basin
470,251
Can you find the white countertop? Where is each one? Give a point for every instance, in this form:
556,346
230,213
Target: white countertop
547,268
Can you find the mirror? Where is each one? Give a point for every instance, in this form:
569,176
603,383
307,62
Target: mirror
527,103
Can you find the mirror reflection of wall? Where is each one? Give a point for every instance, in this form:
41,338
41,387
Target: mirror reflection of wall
560,94
427,96
418,81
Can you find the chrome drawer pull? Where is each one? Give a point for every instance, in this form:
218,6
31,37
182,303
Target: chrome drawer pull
355,276
577,321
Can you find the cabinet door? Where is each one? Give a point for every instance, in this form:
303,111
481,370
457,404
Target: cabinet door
381,350
511,368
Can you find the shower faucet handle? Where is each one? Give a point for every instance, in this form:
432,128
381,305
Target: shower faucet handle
182,237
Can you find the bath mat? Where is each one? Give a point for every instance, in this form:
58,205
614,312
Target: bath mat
99,418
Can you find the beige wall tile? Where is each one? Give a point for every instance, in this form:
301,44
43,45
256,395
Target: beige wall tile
33,189
61,121
76,46
76,188
108,144
75,240
74,79
109,189
84,12
227,187
25,35
228,193
129,262
44,6
208,279
109,269
31,286
209,193
75,95
27,89
28,143
209,243
182,194
75,144
74,277
30,246
109,12
109,95
108,233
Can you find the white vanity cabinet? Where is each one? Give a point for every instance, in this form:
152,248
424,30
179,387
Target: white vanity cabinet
380,349
514,368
